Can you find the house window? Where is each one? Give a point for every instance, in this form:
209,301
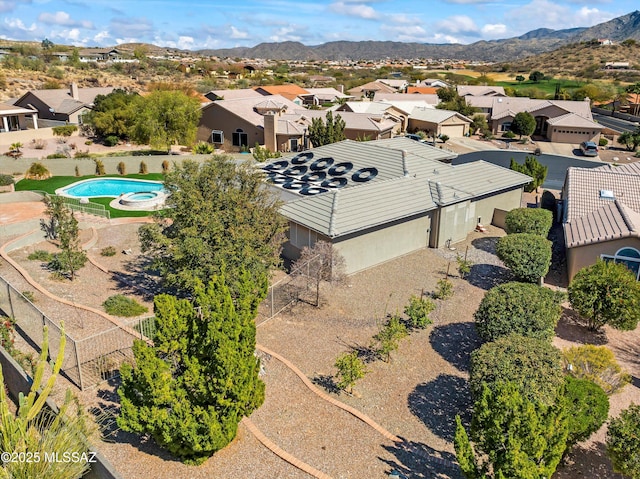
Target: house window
630,257
506,126
240,138
294,144
217,136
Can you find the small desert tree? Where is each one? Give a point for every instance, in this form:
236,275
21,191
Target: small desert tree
331,130
321,262
528,256
533,168
71,257
191,388
606,293
529,220
388,338
623,442
350,368
521,308
523,124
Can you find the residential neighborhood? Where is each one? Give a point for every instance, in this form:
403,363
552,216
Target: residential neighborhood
219,265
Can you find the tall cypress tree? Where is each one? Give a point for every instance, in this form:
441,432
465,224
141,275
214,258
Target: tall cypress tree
191,389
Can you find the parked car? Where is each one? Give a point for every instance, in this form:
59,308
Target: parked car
415,137
589,148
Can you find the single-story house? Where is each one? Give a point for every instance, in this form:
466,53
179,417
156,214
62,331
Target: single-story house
377,200
431,99
480,90
291,92
601,216
62,105
439,122
279,124
433,82
15,118
561,121
397,110
327,95
422,90
215,95
369,90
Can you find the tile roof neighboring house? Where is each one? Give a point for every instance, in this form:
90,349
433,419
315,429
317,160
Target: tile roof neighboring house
483,102
480,90
59,103
215,95
509,106
6,109
422,90
394,83
435,115
435,82
288,91
327,94
374,86
590,216
248,108
396,97
355,121
573,120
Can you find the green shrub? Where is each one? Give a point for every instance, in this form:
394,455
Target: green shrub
509,135
64,130
548,202
533,364
527,255
29,295
99,167
203,148
589,406
39,144
520,308
350,368
165,167
529,220
40,255
82,154
418,311
56,156
464,266
63,263
6,180
120,305
597,364
108,251
143,168
623,442
111,140
122,168
37,171
444,289
88,142
603,141
388,338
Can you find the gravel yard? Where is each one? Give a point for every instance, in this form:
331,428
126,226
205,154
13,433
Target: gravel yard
415,396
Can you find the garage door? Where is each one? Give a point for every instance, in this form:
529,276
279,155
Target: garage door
452,131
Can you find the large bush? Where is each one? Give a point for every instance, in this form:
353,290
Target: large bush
527,255
623,442
120,305
521,308
589,406
606,293
6,180
529,220
533,364
64,130
597,364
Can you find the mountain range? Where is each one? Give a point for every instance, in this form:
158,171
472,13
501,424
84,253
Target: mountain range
531,43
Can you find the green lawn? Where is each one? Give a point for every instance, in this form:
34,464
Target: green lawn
547,86
52,184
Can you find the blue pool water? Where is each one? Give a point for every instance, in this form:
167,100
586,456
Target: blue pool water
109,187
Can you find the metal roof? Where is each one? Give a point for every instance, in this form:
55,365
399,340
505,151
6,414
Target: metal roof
348,210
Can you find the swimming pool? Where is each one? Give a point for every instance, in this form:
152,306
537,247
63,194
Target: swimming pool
97,187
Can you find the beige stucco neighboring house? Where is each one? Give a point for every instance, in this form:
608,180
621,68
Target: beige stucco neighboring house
368,90
439,122
65,106
431,99
480,90
377,200
601,216
562,121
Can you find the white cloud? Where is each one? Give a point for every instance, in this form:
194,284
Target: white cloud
17,24
405,33
235,33
286,34
131,28
63,18
459,24
102,37
440,38
494,30
359,10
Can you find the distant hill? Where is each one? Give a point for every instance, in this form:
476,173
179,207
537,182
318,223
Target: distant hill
531,43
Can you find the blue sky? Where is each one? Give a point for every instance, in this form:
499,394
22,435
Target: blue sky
198,24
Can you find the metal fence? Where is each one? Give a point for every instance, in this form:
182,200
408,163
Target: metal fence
86,362
82,206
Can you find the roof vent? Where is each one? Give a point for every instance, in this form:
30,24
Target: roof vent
607,195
